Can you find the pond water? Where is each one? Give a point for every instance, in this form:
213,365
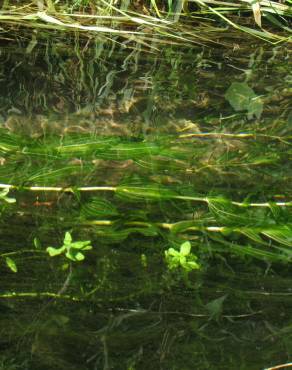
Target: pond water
140,152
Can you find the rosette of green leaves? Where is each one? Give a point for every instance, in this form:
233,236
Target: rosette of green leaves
72,250
182,258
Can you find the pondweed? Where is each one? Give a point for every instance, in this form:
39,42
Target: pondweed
182,259
72,250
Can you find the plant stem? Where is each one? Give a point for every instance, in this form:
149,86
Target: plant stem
40,295
114,189
20,252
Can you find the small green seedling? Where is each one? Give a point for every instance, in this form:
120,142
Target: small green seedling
182,258
72,250
3,196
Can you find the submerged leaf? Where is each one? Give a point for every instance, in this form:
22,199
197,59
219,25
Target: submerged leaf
37,243
55,251
241,97
84,245
74,255
185,248
172,252
11,264
3,196
68,238
4,192
255,107
192,265
253,234
98,207
9,200
215,307
282,235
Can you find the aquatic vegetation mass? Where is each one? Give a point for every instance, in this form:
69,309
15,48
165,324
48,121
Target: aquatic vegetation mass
145,185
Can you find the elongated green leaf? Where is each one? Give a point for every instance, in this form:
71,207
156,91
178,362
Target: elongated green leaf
98,207
253,234
192,265
67,238
259,252
55,251
282,235
11,264
3,196
37,243
74,255
84,245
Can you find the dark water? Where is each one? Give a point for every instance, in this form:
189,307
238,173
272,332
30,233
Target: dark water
175,153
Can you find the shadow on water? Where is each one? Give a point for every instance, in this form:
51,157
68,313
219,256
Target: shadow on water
138,152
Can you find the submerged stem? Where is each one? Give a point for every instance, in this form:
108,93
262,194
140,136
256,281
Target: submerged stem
115,189
40,295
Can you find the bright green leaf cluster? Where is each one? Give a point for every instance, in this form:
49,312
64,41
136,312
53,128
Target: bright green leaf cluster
72,250
182,258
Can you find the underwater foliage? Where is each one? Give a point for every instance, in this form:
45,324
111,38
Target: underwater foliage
158,171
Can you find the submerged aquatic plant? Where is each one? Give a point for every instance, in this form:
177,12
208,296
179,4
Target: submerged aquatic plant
182,259
220,182
72,250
